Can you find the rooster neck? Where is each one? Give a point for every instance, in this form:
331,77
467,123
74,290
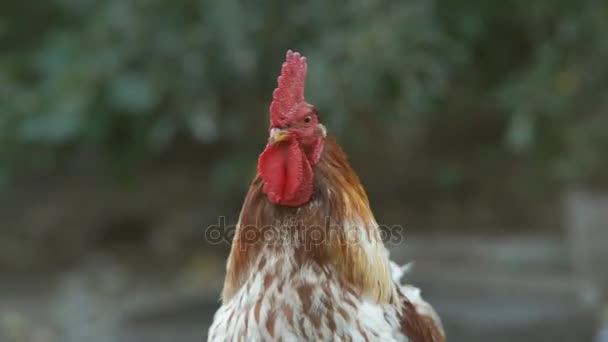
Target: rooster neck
335,229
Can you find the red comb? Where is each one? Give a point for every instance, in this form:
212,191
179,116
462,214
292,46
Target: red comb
290,90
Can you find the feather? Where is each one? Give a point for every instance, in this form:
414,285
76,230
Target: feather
399,271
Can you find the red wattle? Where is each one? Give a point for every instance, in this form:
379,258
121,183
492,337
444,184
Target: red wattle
287,174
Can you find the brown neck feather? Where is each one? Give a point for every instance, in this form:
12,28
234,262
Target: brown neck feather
338,211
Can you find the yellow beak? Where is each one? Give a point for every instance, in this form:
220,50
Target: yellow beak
278,135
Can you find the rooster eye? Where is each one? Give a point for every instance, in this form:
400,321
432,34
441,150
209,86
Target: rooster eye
307,119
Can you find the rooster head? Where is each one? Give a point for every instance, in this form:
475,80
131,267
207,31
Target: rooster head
296,138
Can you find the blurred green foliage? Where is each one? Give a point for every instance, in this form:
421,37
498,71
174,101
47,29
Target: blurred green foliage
127,77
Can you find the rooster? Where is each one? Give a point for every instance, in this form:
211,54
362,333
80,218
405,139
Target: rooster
307,262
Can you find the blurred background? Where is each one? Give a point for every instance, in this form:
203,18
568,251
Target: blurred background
129,127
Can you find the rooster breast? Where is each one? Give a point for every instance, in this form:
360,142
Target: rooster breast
311,304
